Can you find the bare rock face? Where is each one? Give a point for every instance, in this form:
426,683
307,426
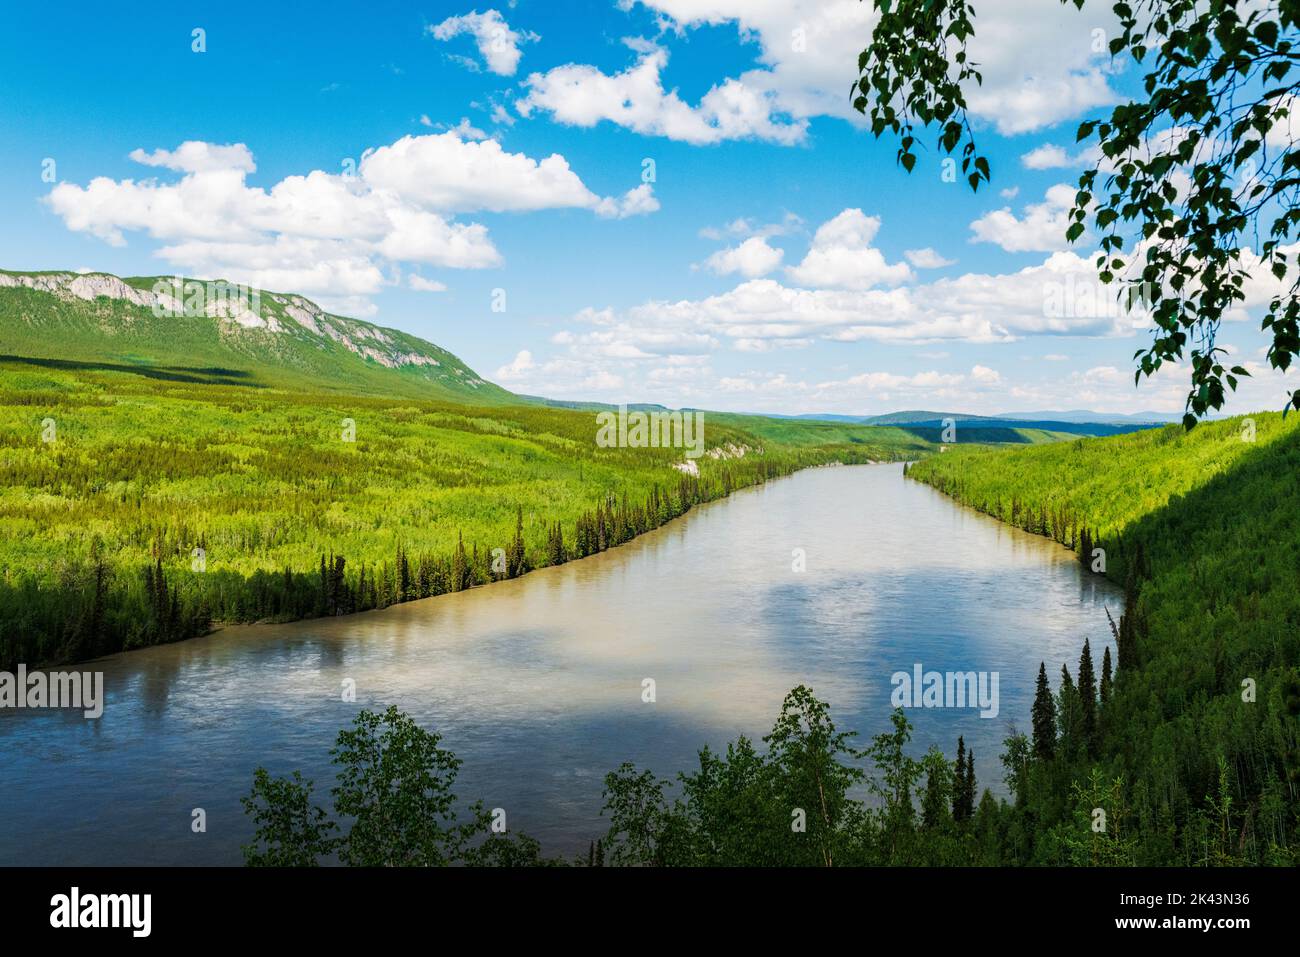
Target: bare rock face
88,286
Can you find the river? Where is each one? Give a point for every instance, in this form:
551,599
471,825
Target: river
537,683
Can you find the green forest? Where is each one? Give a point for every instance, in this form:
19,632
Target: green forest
1194,748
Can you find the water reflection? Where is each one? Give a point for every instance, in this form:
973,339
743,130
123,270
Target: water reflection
536,683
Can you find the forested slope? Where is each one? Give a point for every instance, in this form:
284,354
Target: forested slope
1195,755
139,506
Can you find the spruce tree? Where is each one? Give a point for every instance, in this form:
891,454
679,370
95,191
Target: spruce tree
1105,687
934,801
459,569
1044,717
1069,720
958,782
516,561
1088,696
968,785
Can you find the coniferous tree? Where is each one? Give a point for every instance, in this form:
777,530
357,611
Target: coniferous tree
1069,718
938,785
459,565
1088,696
968,785
516,559
324,585
403,566
1044,717
1105,687
959,806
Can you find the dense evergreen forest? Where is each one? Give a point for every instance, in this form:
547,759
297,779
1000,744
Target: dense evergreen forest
136,510
1191,744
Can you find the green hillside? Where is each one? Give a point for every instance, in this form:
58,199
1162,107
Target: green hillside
1194,752
98,321
159,475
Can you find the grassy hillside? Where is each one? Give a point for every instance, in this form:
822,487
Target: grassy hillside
1196,751
111,477
98,321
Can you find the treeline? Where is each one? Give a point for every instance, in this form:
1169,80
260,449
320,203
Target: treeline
806,796
96,607
1193,753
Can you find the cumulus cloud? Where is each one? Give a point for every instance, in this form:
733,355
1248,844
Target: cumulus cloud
517,368
926,258
744,227
638,201
1060,296
450,174
842,256
1047,156
1040,65
195,156
1041,228
752,258
1051,156
328,233
581,95
420,284
496,42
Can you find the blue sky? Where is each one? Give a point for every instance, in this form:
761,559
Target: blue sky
777,260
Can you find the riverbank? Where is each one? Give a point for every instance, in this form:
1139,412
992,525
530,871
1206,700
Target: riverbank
1201,735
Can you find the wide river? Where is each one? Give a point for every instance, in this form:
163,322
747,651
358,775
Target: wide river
537,683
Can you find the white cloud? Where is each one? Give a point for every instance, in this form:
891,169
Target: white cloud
420,284
1051,156
517,368
580,95
752,258
1039,64
195,156
464,129
1061,296
926,258
1041,228
497,43
638,201
743,227
447,173
1047,156
327,233
842,256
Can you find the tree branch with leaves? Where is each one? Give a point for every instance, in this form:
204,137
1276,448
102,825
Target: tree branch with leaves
1193,191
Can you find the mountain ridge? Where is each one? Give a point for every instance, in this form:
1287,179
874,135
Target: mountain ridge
153,322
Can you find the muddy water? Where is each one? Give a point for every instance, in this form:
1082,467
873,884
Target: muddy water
537,683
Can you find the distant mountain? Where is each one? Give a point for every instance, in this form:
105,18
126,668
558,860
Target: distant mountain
215,332
1083,415
585,406
929,424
